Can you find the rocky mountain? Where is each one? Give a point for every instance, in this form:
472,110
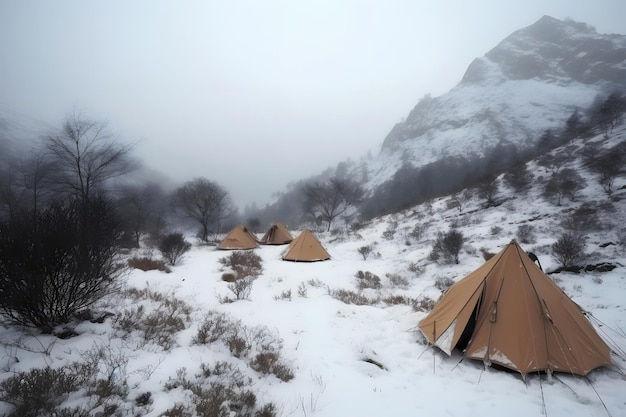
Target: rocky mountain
531,82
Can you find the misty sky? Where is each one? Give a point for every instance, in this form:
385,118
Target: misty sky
253,94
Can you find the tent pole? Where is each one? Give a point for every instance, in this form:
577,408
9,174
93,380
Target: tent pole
434,340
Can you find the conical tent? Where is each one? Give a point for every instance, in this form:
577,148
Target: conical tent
515,317
239,238
277,234
305,248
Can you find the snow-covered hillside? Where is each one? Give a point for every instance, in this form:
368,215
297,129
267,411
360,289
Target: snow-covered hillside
531,82
349,359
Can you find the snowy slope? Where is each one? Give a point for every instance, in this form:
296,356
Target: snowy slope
529,83
326,342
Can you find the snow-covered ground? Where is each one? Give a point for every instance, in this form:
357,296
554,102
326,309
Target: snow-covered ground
362,360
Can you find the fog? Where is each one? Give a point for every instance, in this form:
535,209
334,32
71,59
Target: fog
253,94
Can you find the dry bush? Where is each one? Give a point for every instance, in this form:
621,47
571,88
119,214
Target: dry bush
241,288
569,249
447,246
172,247
495,230
161,325
148,264
214,327
367,280
365,251
486,254
393,300
424,304
258,346
351,297
526,233
397,280
583,219
390,232
218,390
415,268
302,290
418,231
443,283
243,264
285,295
39,391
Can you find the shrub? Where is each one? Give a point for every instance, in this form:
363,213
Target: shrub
519,178
526,233
569,249
244,264
415,268
447,245
486,254
365,251
443,283
418,231
57,262
257,345
424,304
390,232
367,280
173,246
148,264
351,297
160,326
302,290
285,295
214,327
219,390
39,391
242,288
397,280
495,230
566,183
583,219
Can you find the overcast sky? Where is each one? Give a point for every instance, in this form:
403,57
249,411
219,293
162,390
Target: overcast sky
253,94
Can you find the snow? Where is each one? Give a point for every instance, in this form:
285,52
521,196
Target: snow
333,347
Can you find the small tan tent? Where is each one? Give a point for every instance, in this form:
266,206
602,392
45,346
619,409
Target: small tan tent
305,248
508,312
277,234
239,238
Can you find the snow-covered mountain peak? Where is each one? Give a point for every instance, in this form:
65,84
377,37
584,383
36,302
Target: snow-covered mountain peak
530,82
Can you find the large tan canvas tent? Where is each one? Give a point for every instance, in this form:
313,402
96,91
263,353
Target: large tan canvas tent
277,234
511,314
305,248
239,238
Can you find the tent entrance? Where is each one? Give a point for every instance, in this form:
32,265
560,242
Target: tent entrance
466,336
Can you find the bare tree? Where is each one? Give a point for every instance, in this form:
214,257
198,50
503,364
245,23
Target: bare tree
608,165
610,113
488,190
87,156
569,249
329,200
25,183
448,245
140,207
567,183
519,177
205,202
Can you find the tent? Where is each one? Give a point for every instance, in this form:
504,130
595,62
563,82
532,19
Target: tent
277,234
508,312
305,248
239,238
